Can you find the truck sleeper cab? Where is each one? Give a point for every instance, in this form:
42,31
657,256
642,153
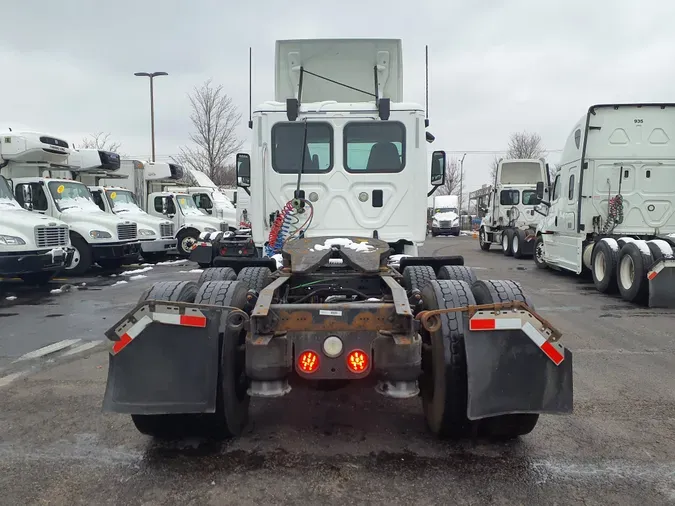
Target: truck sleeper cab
612,205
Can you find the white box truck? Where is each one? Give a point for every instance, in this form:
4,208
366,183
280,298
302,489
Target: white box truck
445,215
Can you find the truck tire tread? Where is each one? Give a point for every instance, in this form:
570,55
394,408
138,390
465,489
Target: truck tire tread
417,276
458,272
503,427
217,274
255,278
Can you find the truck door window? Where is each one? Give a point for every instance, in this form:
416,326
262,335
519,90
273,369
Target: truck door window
39,202
165,202
556,187
570,190
287,147
98,200
374,146
509,197
203,201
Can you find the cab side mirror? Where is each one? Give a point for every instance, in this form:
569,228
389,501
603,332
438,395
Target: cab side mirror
243,170
27,194
438,163
540,191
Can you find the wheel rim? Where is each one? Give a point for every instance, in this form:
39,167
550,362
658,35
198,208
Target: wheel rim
516,243
481,239
187,243
627,272
76,260
539,252
600,266
505,242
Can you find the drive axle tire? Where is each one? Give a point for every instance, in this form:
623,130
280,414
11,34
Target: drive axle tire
518,243
504,426
458,272
232,401
443,384
217,274
507,240
482,240
185,240
416,277
255,278
635,258
172,426
604,261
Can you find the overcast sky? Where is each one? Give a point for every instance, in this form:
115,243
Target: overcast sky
67,67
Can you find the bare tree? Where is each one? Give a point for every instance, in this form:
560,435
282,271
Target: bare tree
100,141
214,119
452,179
493,169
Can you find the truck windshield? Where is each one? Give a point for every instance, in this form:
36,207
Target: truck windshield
72,195
221,198
121,201
374,146
287,148
446,210
187,205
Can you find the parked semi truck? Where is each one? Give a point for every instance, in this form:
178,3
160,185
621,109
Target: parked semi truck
335,191
32,247
612,205
510,218
43,173
445,215
147,181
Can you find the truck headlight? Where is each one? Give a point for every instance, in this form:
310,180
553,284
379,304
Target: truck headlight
100,234
434,223
145,231
455,222
11,240
210,229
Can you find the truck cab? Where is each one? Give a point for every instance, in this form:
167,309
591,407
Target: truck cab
511,216
210,199
49,187
156,235
32,247
445,215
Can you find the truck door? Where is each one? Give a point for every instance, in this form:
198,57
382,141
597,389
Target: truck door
34,195
552,223
569,240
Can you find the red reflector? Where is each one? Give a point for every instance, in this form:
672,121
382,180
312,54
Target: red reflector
552,353
482,324
193,321
119,345
357,361
308,361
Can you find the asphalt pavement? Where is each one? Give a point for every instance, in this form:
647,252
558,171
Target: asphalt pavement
349,446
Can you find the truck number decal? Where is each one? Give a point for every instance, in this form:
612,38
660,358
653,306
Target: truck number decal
638,120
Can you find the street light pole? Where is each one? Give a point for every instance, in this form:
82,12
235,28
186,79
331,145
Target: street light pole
461,182
152,75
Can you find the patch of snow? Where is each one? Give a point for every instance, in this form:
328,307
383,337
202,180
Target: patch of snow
120,283
627,239
56,251
171,262
113,275
146,265
9,202
137,276
671,235
11,297
83,284
56,290
613,245
137,271
372,299
344,243
192,271
665,248
77,204
279,259
643,247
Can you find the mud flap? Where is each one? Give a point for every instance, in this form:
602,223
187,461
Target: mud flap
508,373
165,359
661,278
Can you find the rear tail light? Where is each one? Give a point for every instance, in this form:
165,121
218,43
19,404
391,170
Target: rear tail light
308,362
357,361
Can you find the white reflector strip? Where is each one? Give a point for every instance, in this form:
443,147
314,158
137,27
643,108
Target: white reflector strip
138,327
171,319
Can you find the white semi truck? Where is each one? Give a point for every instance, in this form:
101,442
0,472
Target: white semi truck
335,176
445,215
147,181
510,218
43,172
612,205
32,247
